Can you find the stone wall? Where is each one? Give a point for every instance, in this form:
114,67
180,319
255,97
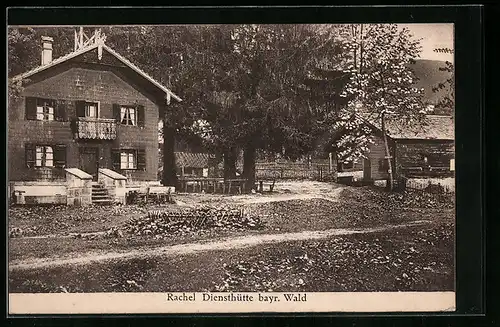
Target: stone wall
38,192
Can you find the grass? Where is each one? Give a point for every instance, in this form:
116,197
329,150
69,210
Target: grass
409,259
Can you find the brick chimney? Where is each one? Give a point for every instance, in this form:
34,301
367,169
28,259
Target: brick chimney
46,50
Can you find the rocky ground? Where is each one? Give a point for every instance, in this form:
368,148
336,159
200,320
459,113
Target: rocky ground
411,258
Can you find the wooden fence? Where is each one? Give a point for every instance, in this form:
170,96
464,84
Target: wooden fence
292,171
432,185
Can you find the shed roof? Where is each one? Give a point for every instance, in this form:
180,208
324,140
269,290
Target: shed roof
194,160
432,127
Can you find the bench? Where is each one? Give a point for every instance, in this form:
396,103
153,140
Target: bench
266,183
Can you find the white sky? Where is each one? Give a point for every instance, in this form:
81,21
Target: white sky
433,36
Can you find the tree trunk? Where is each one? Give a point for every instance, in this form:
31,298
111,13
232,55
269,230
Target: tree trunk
249,157
169,177
216,171
387,154
230,156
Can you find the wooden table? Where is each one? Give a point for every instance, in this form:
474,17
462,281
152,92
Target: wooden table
201,183
236,182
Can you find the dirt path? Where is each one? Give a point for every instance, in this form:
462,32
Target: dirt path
191,248
330,195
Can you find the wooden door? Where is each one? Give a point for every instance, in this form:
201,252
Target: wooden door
367,170
89,162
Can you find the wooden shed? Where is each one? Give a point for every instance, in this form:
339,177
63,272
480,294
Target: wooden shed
416,150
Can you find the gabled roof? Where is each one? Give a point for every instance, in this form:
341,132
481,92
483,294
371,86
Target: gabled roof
433,127
74,54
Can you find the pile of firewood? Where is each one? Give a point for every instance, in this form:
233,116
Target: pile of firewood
190,220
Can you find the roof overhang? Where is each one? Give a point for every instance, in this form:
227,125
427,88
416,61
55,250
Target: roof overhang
168,94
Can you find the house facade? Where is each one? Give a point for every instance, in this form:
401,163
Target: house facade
417,151
92,112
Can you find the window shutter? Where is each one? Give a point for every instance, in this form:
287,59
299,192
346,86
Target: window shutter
141,159
115,158
61,110
116,112
30,155
30,108
140,116
80,108
60,156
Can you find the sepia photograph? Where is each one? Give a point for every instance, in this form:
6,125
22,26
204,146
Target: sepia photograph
248,167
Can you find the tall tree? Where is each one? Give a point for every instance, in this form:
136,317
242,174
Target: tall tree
273,108
166,54
378,57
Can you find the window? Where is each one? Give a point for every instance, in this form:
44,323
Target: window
44,156
92,109
44,109
452,164
128,159
87,109
128,116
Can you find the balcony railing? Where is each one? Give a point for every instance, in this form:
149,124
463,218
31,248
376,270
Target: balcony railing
95,128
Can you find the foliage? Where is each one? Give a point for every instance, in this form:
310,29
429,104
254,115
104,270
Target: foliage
256,91
24,46
446,104
378,57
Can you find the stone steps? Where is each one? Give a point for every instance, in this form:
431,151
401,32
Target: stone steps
100,194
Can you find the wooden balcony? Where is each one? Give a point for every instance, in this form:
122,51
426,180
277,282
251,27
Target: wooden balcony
94,128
